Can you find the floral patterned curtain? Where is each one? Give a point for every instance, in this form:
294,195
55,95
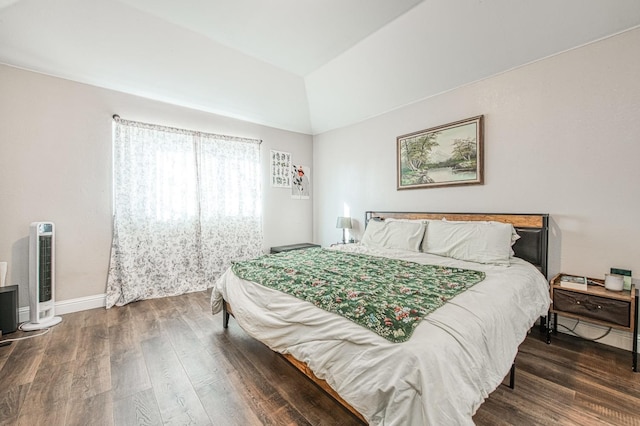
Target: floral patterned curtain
186,204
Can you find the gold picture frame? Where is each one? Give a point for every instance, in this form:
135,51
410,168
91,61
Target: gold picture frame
447,155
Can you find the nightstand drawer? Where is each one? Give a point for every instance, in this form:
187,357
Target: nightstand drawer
599,308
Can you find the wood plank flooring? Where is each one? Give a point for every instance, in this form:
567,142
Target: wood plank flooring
169,361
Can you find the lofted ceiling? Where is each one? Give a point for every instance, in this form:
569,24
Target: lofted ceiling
302,65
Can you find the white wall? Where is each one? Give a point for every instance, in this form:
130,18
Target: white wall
55,164
561,137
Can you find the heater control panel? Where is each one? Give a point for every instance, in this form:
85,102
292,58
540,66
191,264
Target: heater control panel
45,228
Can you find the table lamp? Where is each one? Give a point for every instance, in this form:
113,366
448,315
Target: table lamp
344,223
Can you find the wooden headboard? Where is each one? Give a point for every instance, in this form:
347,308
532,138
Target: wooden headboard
532,228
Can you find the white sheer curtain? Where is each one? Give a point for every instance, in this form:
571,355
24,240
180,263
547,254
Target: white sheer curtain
186,204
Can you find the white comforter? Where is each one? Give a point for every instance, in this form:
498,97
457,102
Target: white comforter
455,358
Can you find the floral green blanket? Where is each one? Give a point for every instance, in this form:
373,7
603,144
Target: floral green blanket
388,296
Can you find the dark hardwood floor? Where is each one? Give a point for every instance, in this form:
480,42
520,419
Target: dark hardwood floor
168,361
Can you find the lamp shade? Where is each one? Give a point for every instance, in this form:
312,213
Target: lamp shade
343,222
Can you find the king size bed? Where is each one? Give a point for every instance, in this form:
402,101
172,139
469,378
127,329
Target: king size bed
455,295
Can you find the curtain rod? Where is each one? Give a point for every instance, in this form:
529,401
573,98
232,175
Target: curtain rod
117,118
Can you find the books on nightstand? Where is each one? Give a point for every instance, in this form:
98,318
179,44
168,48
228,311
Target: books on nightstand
573,282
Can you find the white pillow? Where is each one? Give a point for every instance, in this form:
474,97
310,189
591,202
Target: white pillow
426,224
374,233
394,235
481,242
514,235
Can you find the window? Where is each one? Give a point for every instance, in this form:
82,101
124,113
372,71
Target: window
186,204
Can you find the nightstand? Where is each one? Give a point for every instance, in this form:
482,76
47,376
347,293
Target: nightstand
300,246
597,305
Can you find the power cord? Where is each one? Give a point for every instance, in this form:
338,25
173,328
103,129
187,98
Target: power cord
7,342
572,330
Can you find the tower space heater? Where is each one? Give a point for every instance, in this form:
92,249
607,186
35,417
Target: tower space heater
42,281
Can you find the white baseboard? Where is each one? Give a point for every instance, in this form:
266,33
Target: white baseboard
70,305
617,338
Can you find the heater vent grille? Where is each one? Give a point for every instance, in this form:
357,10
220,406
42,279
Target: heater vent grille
45,268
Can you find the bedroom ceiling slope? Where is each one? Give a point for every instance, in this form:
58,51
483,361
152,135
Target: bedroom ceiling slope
302,65
441,44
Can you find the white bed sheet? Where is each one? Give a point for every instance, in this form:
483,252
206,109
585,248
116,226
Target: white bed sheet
455,358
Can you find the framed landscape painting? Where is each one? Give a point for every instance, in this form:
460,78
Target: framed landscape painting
447,155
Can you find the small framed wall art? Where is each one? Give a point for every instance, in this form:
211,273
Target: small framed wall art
280,169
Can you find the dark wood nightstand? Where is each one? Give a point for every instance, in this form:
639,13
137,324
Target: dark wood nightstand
615,309
300,246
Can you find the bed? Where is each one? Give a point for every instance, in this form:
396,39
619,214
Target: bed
455,356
